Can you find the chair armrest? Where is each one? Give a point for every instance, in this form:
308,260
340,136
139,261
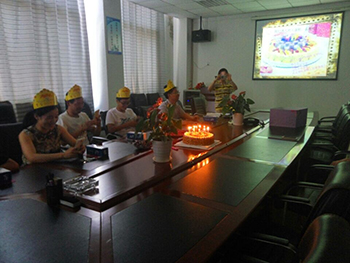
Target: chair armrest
325,167
327,118
310,185
325,146
294,199
341,153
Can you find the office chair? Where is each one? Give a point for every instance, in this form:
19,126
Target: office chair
7,113
312,199
324,151
9,140
139,104
152,98
87,110
198,106
327,239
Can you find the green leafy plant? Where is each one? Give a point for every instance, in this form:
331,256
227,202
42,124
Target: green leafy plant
236,104
160,125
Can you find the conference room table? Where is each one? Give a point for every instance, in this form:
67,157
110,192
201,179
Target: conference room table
142,211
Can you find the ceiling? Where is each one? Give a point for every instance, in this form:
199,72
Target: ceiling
212,8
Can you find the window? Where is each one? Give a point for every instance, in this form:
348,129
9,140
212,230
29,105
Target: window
43,44
143,48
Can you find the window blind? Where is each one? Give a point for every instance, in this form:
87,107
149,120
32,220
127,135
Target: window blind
43,44
143,48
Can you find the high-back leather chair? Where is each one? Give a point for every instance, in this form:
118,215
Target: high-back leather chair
198,106
326,240
9,142
7,113
139,104
152,98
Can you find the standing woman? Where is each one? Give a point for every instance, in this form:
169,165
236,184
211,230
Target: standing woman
42,141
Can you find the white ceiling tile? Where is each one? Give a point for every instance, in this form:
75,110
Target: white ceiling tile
276,6
138,1
193,9
176,2
154,3
223,8
332,1
304,3
189,6
239,1
168,9
204,12
230,12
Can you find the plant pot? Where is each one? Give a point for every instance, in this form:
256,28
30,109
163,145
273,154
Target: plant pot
238,119
162,151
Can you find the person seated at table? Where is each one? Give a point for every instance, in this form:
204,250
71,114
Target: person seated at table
8,164
121,119
42,141
172,98
78,123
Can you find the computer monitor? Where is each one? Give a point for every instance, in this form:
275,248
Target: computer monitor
187,95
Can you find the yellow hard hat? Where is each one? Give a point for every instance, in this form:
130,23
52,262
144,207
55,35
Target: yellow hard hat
44,98
74,93
169,86
123,93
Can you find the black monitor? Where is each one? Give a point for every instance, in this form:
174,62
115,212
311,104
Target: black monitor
187,95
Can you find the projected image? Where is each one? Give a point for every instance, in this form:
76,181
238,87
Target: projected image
298,48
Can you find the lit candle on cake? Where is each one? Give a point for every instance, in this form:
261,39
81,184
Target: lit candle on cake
198,135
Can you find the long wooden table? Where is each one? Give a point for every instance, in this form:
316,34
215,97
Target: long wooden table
178,211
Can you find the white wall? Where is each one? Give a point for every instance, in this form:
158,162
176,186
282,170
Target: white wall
232,47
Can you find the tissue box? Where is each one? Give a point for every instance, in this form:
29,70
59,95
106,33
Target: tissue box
5,178
97,150
211,117
141,136
288,118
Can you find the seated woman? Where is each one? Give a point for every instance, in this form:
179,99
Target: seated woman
172,95
41,142
121,119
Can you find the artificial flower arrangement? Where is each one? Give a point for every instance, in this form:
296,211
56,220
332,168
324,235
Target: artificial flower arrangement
236,104
160,125
200,85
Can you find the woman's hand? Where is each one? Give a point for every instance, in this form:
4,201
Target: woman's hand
73,152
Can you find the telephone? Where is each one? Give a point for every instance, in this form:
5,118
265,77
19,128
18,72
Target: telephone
253,122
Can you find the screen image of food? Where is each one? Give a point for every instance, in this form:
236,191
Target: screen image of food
298,47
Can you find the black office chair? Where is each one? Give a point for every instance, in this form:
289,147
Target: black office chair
327,239
198,106
7,113
322,151
152,98
312,200
9,140
87,110
332,122
139,104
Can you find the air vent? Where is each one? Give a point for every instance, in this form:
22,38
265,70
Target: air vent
212,3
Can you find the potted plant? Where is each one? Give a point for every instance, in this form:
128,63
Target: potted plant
160,127
236,105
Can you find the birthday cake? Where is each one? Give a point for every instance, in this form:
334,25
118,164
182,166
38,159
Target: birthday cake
198,138
291,50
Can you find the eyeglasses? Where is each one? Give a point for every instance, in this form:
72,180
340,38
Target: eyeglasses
175,93
124,103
